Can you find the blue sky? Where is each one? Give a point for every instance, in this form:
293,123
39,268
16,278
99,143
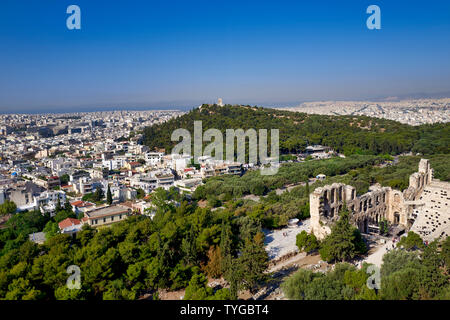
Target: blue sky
181,53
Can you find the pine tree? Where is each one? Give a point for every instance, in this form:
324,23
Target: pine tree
344,242
98,194
306,242
198,288
7,207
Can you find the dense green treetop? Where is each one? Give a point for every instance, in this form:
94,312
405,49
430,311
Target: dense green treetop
346,134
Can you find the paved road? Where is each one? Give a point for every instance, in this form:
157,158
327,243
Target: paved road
376,258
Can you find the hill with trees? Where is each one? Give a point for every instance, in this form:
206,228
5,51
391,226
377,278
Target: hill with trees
274,210
183,246
346,134
407,273
176,249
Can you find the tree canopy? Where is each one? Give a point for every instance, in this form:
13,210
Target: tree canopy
405,275
346,134
344,242
7,207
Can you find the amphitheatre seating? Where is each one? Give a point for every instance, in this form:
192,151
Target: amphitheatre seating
432,220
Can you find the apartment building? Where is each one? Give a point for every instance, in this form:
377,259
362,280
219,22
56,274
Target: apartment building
153,158
23,195
106,215
165,180
52,182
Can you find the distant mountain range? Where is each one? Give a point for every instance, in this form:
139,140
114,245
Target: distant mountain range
437,95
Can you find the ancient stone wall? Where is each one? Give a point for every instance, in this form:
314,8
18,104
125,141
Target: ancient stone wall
367,210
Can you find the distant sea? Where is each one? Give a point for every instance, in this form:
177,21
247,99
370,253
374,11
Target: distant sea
189,105
90,109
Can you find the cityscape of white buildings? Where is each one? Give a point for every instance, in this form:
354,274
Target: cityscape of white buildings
51,158
412,112
48,159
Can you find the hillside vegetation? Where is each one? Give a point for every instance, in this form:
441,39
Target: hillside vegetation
274,211
346,134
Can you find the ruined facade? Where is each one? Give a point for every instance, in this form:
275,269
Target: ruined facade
367,210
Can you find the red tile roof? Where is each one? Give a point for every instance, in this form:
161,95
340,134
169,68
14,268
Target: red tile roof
68,223
81,204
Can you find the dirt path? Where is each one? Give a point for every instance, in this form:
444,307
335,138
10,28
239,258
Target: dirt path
171,295
298,261
284,269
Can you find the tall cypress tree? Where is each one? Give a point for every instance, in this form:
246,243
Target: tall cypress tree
226,246
253,262
227,268
67,205
109,198
58,205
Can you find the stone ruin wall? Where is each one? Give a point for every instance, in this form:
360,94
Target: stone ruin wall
368,209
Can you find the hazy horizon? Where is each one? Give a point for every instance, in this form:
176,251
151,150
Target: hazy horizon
159,55
166,106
